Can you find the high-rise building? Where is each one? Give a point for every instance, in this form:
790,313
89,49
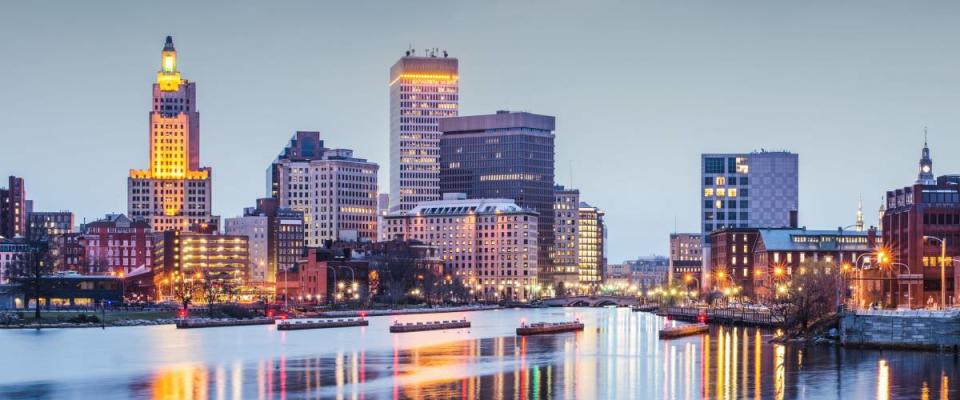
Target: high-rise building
44,225
746,190
504,155
686,256
423,90
335,191
566,250
174,192
488,243
13,209
117,244
591,243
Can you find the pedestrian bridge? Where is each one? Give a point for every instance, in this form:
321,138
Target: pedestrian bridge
592,301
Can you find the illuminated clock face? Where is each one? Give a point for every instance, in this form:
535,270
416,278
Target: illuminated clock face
925,168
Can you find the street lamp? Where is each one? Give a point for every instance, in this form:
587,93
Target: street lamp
943,269
689,277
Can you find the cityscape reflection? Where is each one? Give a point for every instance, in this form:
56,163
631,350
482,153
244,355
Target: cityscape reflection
618,355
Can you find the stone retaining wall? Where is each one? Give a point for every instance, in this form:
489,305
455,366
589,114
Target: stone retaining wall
903,329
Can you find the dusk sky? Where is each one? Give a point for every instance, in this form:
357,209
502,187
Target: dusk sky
639,90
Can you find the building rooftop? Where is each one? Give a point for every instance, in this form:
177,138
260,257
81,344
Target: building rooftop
465,206
500,120
801,239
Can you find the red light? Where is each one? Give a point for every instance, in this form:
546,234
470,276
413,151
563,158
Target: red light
363,314
182,313
702,318
269,313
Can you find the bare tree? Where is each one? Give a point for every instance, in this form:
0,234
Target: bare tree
810,293
28,271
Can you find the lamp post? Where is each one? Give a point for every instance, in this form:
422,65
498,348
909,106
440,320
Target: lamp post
943,269
856,264
909,294
689,277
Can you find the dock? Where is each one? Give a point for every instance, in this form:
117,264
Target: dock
683,330
321,324
191,323
645,308
398,327
544,328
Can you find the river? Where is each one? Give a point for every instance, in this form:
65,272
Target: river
618,355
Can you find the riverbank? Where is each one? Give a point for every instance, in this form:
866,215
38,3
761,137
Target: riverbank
71,319
380,313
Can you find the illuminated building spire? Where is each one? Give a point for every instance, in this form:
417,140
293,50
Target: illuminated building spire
925,177
169,78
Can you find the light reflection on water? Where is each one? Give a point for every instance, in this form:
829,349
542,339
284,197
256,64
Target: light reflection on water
618,355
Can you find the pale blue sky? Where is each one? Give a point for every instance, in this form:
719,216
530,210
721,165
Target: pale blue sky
639,90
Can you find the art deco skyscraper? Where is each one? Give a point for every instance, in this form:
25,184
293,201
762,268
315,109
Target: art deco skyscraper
423,89
174,192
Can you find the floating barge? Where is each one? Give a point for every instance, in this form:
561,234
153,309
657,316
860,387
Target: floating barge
321,324
684,330
428,326
544,328
645,308
190,323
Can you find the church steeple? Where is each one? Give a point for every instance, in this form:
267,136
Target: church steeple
860,216
925,176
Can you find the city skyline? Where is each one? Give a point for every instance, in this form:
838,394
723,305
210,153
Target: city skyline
875,94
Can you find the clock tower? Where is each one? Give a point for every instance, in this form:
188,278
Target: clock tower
925,176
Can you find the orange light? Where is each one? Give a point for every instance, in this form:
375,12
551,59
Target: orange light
429,77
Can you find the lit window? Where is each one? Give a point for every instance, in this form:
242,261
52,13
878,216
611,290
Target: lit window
708,192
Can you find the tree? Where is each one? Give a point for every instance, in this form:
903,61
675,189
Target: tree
810,293
28,270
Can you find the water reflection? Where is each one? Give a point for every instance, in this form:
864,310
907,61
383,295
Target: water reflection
618,355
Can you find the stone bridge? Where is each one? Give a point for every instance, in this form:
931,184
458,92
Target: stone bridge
592,301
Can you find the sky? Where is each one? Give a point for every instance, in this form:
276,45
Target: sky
639,89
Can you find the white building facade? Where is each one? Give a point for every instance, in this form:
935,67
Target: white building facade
490,244
423,90
255,228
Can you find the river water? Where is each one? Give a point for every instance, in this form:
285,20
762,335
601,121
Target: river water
618,355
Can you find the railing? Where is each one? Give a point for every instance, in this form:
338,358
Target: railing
733,315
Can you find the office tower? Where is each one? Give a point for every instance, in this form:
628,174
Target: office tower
174,192
276,238
565,254
686,257
13,209
746,190
591,245
335,191
44,225
504,155
490,244
423,90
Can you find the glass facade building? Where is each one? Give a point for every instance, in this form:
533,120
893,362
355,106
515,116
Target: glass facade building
504,155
